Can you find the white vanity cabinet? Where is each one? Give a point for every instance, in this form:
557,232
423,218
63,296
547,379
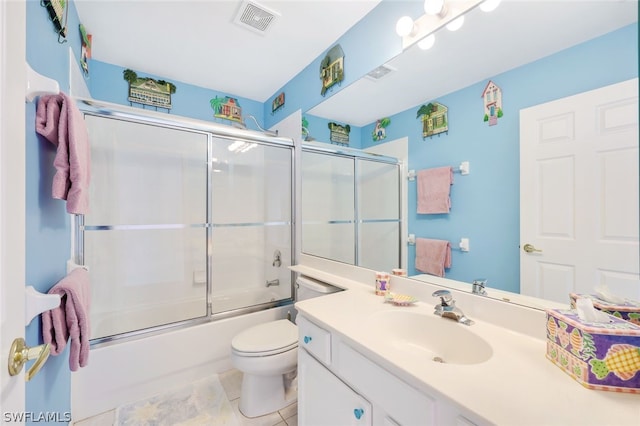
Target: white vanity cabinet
338,385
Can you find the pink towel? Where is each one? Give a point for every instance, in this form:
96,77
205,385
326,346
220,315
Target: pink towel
432,256
61,123
70,319
434,187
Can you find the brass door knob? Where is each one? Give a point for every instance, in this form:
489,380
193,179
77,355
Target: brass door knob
529,248
19,354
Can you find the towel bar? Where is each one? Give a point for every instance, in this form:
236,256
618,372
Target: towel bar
463,245
463,169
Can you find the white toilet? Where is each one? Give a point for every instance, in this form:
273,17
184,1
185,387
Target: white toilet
267,355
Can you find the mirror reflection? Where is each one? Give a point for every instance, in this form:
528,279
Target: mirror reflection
536,53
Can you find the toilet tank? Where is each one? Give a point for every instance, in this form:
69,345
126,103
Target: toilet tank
307,288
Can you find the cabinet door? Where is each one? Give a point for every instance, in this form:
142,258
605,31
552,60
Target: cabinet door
324,400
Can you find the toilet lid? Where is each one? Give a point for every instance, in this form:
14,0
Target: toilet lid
268,337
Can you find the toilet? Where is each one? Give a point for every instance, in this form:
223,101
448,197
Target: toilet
267,355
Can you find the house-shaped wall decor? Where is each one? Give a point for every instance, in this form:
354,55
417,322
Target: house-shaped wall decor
492,95
147,91
339,133
434,118
332,68
227,108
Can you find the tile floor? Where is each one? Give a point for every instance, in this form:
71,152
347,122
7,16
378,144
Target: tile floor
231,381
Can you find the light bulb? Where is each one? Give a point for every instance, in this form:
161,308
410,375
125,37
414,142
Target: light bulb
489,5
427,42
433,7
404,26
455,24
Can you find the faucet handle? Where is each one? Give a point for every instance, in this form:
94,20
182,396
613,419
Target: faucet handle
445,297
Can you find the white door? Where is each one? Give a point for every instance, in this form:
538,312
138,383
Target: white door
579,194
12,200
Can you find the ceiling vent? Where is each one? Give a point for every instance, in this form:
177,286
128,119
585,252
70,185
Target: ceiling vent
255,17
380,72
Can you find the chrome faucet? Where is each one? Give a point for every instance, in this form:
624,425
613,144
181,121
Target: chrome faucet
478,286
273,282
447,308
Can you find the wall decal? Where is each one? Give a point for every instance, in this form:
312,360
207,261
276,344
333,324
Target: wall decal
339,133
147,91
434,118
492,95
226,108
379,133
58,10
85,53
332,68
277,103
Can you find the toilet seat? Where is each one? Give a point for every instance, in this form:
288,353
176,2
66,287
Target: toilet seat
266,339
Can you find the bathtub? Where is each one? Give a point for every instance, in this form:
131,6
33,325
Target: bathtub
126,371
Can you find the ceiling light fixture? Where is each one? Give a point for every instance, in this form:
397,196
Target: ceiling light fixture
438,14
405,26
427,42
434,7
489,5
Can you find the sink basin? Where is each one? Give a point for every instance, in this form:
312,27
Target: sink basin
430,337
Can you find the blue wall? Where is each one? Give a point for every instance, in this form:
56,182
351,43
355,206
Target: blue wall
107,84
489,219
48,227
485,204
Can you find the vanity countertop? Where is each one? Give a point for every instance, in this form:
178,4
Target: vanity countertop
517,385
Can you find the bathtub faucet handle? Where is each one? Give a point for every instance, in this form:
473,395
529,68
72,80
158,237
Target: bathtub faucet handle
276,259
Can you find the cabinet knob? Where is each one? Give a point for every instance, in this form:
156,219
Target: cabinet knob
307,339
358,412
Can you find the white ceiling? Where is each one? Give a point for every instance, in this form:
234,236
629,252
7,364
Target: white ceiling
516,33
197,42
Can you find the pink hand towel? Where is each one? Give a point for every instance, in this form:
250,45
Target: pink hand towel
432,256
61,123
70,319
434,187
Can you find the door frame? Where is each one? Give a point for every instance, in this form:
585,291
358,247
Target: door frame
12,196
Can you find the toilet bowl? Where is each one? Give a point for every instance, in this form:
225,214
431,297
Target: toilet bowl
266,354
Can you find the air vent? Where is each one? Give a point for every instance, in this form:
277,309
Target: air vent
380,72
255,17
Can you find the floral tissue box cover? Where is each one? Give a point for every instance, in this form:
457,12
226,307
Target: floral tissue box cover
603,356
629,310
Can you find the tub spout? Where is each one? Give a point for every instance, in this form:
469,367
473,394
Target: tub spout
273,282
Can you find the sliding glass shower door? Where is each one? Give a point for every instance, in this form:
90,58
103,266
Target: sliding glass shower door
251,200
185,223
351,208
145,237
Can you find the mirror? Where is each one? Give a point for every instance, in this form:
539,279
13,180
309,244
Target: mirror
536,52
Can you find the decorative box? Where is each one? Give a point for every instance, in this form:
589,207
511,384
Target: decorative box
629,310
604,356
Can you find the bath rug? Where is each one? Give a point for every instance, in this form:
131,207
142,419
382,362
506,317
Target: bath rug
201,403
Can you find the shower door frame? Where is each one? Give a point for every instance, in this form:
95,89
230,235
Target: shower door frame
211,130
356,155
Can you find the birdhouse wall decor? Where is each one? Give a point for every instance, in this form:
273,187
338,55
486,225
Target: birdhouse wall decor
339,133
435,119
332,68
148,91
226,108
379,133
492,96
278,102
